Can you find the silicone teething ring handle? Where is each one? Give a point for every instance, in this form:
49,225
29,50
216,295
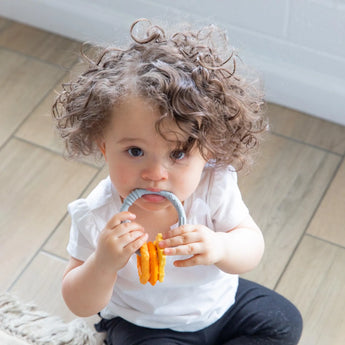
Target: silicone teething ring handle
138,193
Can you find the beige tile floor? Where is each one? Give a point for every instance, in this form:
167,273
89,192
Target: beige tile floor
296,192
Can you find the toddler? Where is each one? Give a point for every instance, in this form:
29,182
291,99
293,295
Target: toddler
169,113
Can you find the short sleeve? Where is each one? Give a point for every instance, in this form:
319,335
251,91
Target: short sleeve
227,207
84,232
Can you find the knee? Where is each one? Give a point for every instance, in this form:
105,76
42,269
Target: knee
289,324
269,315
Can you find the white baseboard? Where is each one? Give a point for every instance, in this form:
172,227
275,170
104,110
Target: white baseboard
316,94
320,95
83,20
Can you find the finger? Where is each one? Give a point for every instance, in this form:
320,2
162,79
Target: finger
193,248
119,218
180,240
193,261
179,231
126,228
129,237
134,243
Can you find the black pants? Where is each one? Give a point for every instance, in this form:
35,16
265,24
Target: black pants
259,316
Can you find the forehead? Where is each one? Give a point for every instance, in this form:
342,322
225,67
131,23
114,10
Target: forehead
135,116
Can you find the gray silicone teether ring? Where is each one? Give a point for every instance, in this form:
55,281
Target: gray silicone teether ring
138,193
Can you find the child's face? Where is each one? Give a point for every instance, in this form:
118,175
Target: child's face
138,156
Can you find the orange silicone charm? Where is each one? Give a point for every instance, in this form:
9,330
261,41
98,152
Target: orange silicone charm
151,262
143,263
161,258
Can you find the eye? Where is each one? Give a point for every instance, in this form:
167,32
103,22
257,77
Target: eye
135,152
177,155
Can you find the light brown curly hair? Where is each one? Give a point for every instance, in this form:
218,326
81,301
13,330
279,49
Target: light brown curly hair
220,111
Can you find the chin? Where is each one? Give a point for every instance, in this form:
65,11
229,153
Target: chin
153,206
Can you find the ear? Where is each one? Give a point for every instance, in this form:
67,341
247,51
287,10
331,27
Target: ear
101,146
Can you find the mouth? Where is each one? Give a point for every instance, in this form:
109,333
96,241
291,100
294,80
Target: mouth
153,198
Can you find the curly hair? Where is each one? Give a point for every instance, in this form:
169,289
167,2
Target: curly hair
184,75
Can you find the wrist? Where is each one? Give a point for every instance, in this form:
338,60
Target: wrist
105,268
223,247
241,252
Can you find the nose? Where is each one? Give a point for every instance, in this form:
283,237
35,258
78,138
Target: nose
154,171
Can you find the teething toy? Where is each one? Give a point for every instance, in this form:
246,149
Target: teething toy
138,193
150,258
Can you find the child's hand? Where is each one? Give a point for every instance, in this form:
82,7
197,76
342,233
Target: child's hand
118,241
202,244
236,251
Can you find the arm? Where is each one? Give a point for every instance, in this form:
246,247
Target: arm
237,251
243,248
86,289
87,286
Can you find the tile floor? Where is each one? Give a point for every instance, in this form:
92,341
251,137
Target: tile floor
296,192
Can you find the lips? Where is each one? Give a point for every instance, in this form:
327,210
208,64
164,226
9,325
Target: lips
153,198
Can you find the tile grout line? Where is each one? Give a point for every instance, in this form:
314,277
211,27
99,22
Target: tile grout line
56,153
13,134
66,213
41,247
22,272
304,233
58,81
340,246
53,255
7,25
62,219
37,59
36,253
305,143
15,131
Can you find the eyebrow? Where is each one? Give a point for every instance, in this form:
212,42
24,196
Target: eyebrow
129,140
138,141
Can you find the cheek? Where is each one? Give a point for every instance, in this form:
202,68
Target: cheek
188,181
120,174
192,183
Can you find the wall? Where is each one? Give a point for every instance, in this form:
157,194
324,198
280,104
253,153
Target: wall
297,45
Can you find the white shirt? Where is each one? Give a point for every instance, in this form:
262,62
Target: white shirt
190,298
